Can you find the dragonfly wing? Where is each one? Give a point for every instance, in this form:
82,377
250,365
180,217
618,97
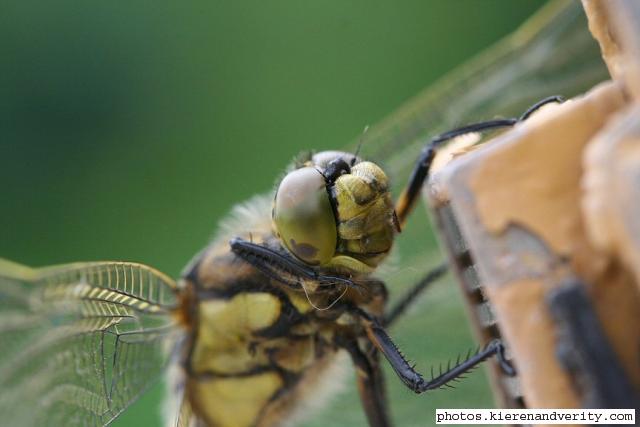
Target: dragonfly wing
81,342
552,54
185,416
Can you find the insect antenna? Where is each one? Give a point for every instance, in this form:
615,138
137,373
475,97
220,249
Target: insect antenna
360,142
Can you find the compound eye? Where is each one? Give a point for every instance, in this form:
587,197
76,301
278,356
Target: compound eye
304,218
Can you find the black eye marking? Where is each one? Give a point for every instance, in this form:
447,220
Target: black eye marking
335,169
303,250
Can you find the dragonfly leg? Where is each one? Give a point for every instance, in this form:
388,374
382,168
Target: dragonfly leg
420,172
535,107
282,267
413,293
412,378
370,382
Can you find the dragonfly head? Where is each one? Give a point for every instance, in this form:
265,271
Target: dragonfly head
335,211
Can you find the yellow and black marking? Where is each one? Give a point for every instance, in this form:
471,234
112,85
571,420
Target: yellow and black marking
256,345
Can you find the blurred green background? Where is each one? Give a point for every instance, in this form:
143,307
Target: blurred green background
128,129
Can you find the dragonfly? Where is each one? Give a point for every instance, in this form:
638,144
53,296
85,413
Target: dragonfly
81,342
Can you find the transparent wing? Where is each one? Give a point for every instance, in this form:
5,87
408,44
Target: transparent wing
552,54
80,342
185,416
